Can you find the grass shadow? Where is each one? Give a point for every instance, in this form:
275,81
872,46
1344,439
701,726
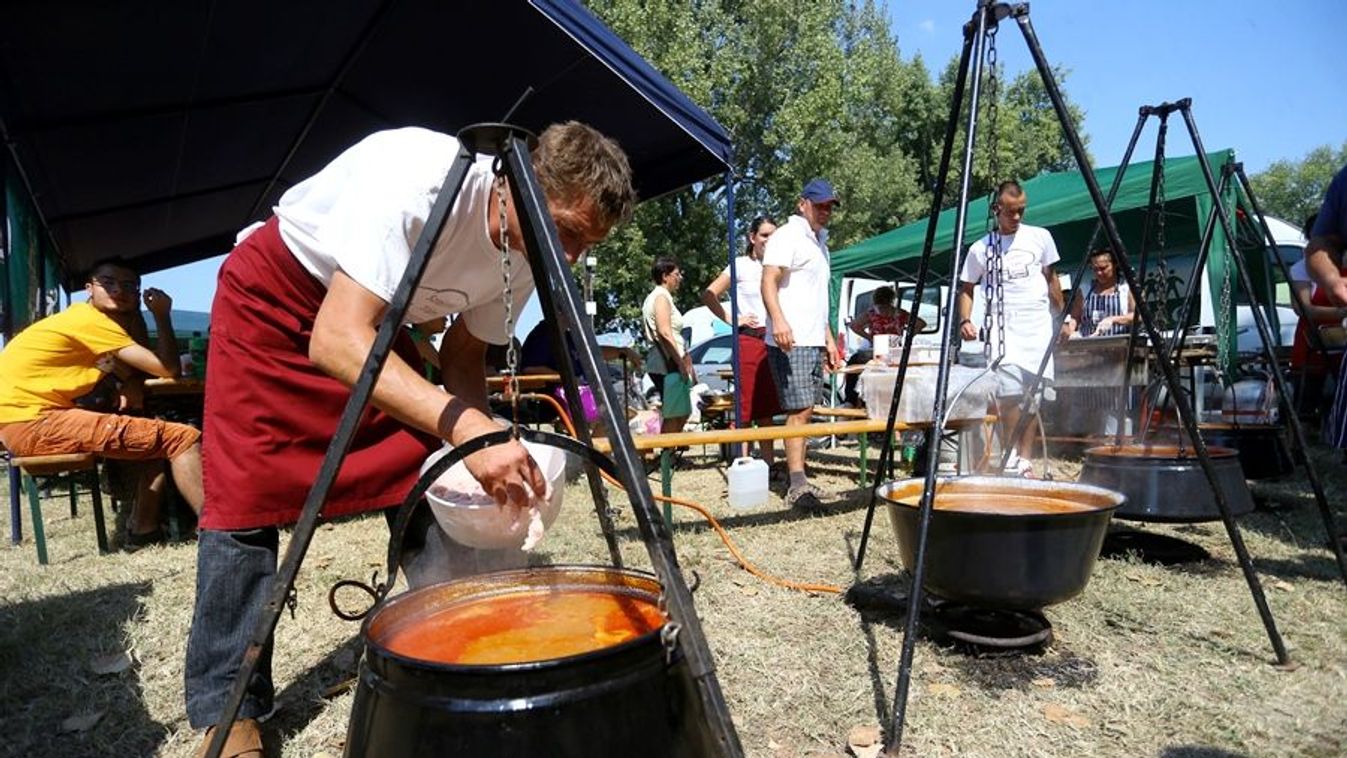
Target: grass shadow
1198,751
305,698
46,650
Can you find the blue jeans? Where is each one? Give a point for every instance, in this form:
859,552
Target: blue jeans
234,574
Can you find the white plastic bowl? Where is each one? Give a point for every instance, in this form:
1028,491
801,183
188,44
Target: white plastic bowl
471,517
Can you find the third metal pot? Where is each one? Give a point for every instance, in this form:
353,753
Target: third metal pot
1166,482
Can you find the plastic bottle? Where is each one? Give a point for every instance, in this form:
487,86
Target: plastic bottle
196,347
748,484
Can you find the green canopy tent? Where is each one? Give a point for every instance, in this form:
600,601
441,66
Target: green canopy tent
1060,202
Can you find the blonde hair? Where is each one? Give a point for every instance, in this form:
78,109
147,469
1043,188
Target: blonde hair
575,161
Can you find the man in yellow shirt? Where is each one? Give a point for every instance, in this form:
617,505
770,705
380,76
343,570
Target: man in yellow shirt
47,366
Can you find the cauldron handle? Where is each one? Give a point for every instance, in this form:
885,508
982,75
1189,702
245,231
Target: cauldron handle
417,495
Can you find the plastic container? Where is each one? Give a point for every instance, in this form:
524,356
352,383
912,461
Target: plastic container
471,517
748,484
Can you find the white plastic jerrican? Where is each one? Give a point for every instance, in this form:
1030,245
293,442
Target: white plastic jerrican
471,517
748,484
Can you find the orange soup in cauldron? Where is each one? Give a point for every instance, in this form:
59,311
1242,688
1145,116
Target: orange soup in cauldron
525,627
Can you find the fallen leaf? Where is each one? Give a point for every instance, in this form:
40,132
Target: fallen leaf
83,722
1283,585
773,745
944,689
1044,682
1061,715
112,663
865,741
863,736
1144,579
749,589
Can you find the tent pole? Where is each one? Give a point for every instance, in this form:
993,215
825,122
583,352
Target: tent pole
7,314
983,17
1185,410
734,303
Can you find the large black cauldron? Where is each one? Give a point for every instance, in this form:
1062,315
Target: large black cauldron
1166,483
1264,452
633,698
1040,551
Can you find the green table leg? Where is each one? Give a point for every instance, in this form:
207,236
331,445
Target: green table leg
865,464
666,482
39,533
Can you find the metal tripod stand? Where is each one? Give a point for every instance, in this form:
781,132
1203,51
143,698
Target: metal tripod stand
987,16
559,294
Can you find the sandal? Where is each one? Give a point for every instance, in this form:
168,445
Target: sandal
244,741
1020,467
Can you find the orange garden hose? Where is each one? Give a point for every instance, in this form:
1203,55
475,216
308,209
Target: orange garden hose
744,563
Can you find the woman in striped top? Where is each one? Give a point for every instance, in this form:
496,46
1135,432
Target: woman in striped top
1106,305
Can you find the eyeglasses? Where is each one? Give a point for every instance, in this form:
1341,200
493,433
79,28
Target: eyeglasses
125,285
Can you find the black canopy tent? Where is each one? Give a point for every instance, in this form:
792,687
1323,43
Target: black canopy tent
156,130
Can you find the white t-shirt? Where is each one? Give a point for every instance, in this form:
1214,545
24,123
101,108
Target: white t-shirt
363,212
1027,318
748,287
1025,255
803,289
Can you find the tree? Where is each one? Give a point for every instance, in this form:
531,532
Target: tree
1292,190
805,88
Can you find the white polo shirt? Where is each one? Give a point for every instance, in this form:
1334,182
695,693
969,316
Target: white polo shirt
364,211
803,289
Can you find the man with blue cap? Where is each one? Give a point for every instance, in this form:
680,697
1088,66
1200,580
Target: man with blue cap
800,347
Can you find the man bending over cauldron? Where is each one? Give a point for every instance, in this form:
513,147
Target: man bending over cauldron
297,306
1020,302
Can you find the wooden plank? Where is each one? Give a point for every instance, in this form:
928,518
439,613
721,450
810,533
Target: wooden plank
823,410
755,434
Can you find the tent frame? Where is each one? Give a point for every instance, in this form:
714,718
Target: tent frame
986,18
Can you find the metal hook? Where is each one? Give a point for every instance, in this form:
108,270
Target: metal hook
367,588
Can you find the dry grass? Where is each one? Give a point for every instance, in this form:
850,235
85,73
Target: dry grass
1148,661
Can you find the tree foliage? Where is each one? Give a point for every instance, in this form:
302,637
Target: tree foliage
805,88
1292,190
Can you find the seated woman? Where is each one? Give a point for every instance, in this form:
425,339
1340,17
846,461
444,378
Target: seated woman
882,317
1106,305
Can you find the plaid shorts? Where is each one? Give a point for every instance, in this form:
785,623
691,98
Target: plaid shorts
798,375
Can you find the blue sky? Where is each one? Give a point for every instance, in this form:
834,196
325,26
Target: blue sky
1265,79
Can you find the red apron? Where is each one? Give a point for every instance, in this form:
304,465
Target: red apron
270,413
1302,355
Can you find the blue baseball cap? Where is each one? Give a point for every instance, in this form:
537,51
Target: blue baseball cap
819,191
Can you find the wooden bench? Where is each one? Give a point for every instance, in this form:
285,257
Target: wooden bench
861,427
78,466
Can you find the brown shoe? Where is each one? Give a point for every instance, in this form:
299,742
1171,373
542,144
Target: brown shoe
244,741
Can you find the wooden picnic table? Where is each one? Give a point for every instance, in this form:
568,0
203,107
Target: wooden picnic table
161,386
526,381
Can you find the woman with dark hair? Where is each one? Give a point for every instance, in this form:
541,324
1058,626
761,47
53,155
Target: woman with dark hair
668,362
757,392
882,317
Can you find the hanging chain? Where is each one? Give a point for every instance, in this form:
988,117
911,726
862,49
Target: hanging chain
1162,265
993,282
506,274
1223,327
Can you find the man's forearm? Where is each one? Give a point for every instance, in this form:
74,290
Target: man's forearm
167,346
